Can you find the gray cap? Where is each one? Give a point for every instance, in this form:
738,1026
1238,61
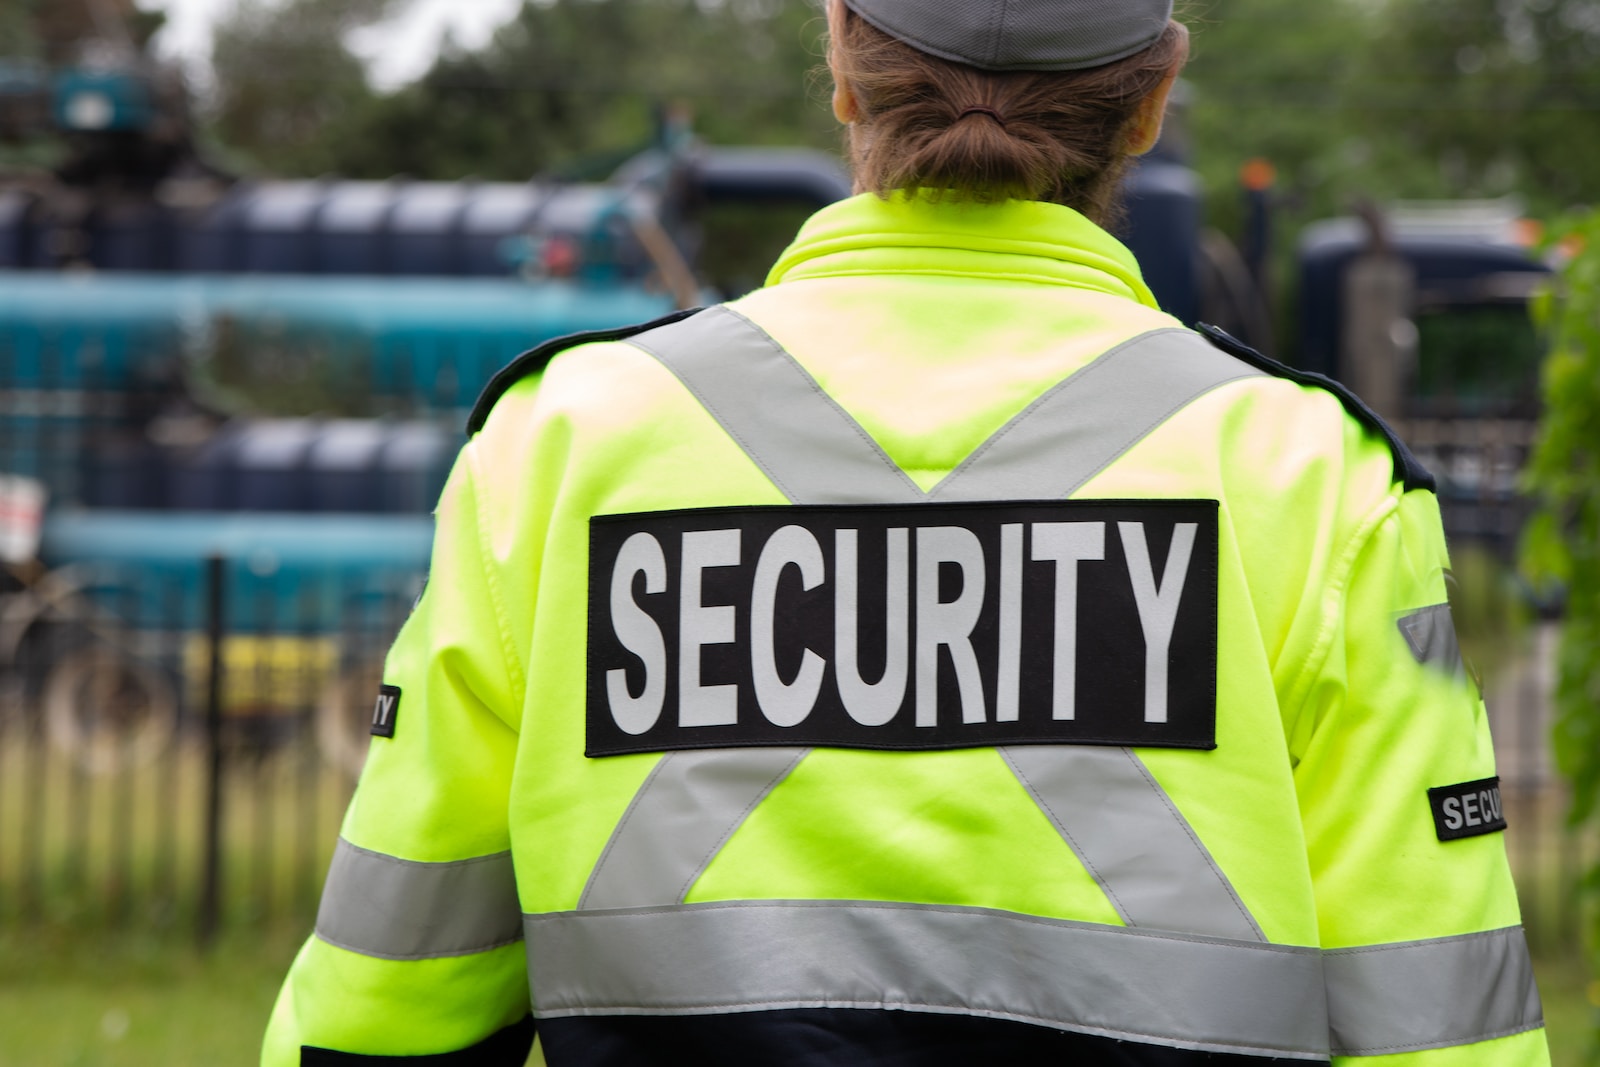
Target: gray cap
1021,34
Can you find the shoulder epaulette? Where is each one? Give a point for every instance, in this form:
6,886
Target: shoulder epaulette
535,359
1407,470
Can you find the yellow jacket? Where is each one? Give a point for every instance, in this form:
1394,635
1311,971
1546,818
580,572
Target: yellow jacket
1261,821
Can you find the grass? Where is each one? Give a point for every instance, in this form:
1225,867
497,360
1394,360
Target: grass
1571,1008
67,1000
132,1001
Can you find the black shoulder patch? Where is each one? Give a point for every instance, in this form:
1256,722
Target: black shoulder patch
535,359
1407,470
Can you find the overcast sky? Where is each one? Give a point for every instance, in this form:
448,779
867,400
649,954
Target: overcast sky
397,50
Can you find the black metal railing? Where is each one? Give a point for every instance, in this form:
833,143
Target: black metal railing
180,758
165,767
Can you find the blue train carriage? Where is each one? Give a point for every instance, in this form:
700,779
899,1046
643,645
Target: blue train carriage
125,393
111,383
98,371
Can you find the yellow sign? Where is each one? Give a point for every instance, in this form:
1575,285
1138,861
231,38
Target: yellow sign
278,675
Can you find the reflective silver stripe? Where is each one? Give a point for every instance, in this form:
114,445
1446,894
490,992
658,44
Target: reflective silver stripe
1122,825
1430,633
797,434
1417,995
816,453
398,909
678,821
1178,990
1081,426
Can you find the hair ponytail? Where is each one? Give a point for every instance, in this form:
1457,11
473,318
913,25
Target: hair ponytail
930,124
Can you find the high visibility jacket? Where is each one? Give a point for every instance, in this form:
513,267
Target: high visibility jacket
939,655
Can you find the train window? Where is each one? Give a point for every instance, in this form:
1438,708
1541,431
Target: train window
740,240
1476,359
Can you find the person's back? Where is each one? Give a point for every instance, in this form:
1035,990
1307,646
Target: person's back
940,655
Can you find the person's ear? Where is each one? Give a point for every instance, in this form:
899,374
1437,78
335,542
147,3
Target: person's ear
1145,128
845,107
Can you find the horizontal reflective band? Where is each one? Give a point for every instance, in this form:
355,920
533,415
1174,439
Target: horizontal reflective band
1430,994
1183,991
398,909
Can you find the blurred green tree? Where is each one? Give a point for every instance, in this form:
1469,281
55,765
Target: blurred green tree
1391,99
1376,98
568,86
19,35
1273,79
1491,96
288,91
1561,545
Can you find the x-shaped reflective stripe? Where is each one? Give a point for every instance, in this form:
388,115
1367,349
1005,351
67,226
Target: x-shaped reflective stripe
1104,802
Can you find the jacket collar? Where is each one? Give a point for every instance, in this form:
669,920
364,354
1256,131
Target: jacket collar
1017,240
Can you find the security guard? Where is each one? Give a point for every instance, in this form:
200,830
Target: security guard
938,656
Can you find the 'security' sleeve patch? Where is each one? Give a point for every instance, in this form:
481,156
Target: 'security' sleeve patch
904,627
1467,810
384,710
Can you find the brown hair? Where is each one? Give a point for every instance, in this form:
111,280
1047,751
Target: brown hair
931,124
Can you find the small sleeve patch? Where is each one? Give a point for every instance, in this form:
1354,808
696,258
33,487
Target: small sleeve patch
384,710
1467,810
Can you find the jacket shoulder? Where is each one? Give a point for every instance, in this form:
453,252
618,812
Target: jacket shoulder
1408,471
535,359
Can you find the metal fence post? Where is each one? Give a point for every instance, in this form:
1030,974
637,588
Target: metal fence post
211,870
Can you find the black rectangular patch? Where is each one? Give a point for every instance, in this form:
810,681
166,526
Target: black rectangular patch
1467,810
904,627
385,710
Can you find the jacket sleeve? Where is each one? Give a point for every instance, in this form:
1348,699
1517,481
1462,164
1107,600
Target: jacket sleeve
417,949
1424,953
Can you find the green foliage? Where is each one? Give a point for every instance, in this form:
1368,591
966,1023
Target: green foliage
1350,98
288,91
1395,99
1500,95
1273,79
568,87
1562,543
1490,610
19,37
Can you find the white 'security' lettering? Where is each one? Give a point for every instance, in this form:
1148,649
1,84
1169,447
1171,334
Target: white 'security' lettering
1067,544
699,625
1158,605
872,703
946,624
639,634
783,703
1452,813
